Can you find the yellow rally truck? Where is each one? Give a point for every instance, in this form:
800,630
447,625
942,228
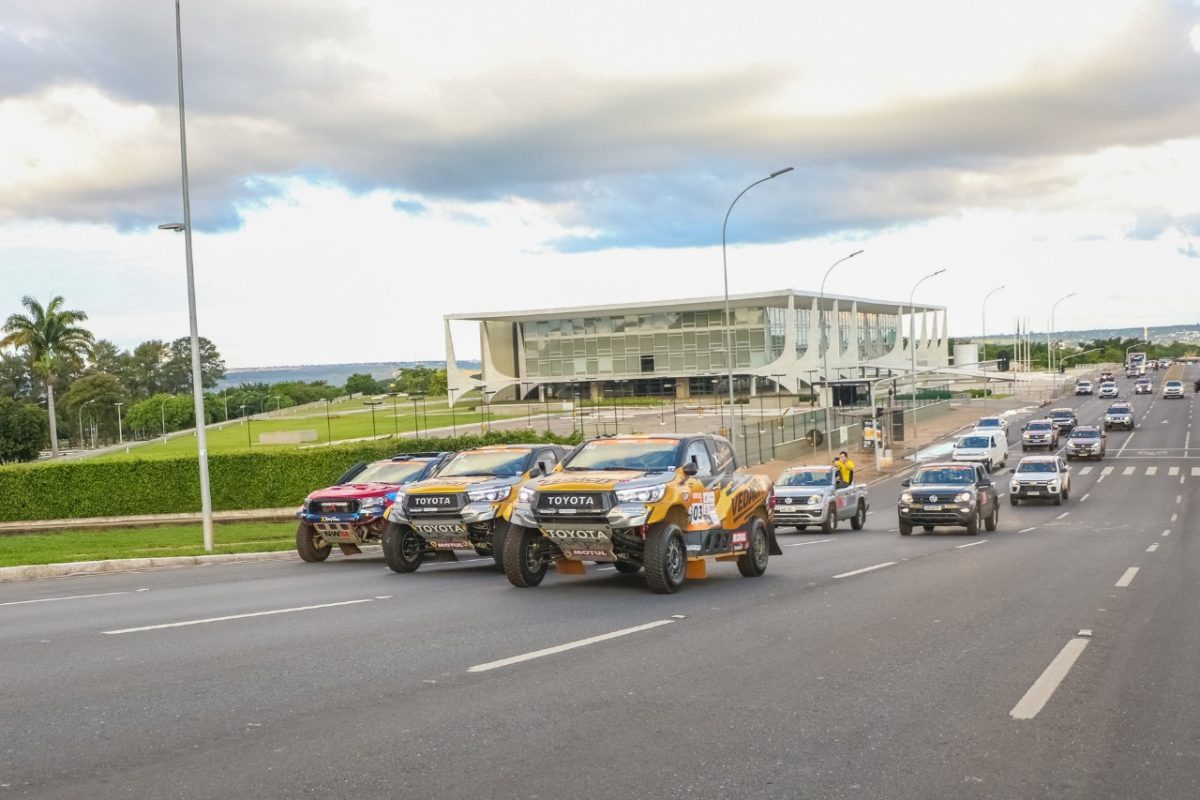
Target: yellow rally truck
665,504
466,507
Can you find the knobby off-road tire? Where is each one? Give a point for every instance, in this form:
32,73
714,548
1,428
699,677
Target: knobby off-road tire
523,565
831,520
627,567
500,530
860,517
402,548
665,558
306,544
753,562
993,519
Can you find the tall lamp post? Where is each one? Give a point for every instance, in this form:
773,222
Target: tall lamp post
81,408
983,330
120,435
912,340
453,419
1049,349
162,410
186,227
821,317
729,352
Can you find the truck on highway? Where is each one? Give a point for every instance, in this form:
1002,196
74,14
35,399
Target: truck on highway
817,496
663,504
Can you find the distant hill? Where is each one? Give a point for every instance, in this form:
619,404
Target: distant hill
1159,334
333,374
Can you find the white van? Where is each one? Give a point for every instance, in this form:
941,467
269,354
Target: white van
982,447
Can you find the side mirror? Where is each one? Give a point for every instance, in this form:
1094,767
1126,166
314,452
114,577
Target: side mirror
906,483
690,469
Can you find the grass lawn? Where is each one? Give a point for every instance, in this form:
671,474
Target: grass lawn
166,540
344,421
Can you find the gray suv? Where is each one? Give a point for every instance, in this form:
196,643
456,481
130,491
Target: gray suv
948,494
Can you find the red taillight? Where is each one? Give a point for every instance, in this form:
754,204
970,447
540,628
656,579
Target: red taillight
771,501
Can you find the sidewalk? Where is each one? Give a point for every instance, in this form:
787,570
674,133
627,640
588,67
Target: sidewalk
145,520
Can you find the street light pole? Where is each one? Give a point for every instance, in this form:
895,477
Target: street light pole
912,341
81,408
162,410
983,330
1049,349
725,272
453,419
120,435
821,317
186,227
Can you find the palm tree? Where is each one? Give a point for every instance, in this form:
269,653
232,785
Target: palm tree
51,336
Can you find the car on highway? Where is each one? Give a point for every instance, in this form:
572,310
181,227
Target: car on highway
1119,415
816,495
1087,441
663,504
948,494
1133,372
1043,477
1039,433
1106,375
1108,389
1173,390
1143,386
989,424
467,505
989,448
1083,387
353,511
1064,420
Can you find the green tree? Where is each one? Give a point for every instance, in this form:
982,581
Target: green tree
52,337
23,428
145,368
162,413
16,379
362,383
421,380
100,392
177,369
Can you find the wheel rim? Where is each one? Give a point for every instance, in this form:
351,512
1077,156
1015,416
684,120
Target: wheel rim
533,561
861,516
410,547
760,547
675,560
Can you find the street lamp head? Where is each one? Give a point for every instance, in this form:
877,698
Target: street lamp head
939,272
171,226
780,172
852,255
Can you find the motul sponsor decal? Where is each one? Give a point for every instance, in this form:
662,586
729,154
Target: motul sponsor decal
451,545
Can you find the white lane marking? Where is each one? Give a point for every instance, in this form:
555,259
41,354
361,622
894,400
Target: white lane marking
1106,471
1152,548
1043,688
865,569
1000,495
1128,439
1085,471
562,648
971,544
1173,471
892,530
606,569
207,620
1151,471
67,597
1085,497
1174,517
1128,470
1027,530
1167,532
1060,516
814,541
458,561
1127,578
1196,472
1178,499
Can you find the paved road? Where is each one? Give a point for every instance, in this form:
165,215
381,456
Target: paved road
895,682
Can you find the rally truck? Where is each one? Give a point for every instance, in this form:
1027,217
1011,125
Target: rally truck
817,496
465,507
665,504
352,511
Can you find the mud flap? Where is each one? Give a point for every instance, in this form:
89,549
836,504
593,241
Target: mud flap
697,570
773,548
565,566
349,549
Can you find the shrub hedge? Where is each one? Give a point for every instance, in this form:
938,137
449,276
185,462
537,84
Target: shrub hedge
264,479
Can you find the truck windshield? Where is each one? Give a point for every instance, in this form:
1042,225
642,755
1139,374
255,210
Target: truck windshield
389,472
806,477
501,463
944,475
1039,426
1094,433
1037,466
974,441
988,422
642,455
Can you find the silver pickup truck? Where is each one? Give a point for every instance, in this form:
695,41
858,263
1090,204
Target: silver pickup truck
816,496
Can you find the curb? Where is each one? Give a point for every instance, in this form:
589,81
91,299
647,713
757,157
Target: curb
145,520
32,572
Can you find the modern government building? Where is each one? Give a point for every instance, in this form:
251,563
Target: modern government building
679,347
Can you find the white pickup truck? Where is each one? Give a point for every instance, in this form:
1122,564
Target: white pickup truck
816,495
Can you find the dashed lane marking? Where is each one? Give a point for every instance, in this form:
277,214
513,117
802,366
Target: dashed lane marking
1174,518
814,541
1127,578
1178,499
1151,471
1167,532
1196,472
562,648
1152,548
1044,687
1106,471
66,597
1085,497
1027,530
1128,470
207,620
971,544
1085,471
871,568
1173,471
1063,515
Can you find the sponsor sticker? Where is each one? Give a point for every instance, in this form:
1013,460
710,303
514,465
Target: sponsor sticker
450,545
740,540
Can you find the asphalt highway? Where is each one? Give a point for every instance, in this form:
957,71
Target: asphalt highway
1054,658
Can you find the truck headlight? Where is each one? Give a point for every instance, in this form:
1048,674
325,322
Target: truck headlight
814,500
371,504
962,497
489,495
645,494
1014,485
1052,486
525,495
906,497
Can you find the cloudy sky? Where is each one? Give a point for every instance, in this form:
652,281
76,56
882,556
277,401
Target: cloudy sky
361,167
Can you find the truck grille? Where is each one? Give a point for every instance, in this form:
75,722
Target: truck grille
332,506
573,504
449,503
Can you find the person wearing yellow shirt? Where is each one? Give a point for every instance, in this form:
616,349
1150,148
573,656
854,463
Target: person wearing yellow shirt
845,467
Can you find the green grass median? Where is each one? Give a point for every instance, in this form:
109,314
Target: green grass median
167,540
